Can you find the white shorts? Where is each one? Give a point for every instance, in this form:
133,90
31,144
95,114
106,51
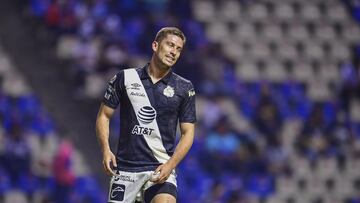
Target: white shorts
130,186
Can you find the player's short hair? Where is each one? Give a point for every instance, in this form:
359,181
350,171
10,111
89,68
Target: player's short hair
163,32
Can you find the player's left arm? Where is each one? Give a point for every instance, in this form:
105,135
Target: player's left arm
186,140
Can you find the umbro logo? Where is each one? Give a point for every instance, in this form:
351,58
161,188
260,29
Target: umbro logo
134,86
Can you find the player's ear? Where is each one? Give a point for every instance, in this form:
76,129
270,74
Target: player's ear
155,46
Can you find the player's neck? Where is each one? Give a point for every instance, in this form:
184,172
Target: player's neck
156,72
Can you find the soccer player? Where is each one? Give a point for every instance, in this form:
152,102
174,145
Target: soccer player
152,100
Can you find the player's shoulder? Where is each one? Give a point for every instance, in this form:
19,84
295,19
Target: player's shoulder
181,80
183,85
120,73
123,69
139,70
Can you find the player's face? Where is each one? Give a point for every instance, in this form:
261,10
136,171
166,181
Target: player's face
168,49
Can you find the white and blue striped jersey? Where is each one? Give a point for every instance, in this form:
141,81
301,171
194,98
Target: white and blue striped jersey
149,114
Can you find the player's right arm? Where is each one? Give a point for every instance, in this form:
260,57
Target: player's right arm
102,132
110,102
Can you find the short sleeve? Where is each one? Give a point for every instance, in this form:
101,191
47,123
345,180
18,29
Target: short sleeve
187,108
113,91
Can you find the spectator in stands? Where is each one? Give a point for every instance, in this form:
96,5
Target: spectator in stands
312,141
113,58
222,146
212,111
349,85
64,175
267,117
43,148
277,159
212,68
52,16
17,153
340,136
86,53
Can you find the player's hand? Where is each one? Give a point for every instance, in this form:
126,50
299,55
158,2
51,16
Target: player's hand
108,160
165,171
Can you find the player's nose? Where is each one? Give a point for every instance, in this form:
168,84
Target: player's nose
172,53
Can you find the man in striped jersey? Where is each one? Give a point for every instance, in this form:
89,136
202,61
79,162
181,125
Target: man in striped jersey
152,100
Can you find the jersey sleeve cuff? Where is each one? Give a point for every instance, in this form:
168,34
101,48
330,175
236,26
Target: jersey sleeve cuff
108,104
187,120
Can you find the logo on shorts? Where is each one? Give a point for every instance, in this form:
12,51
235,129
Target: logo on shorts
124,178
117,192
146,114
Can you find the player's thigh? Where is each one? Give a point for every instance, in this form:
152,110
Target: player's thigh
163,198
161,193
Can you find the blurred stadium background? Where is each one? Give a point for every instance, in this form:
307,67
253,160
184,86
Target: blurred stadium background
278,86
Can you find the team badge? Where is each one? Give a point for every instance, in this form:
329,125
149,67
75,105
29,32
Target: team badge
169,91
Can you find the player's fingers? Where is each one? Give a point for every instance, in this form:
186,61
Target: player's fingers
157,179
158,169
162,177
162,180
108,168
105,168
113,160
112,173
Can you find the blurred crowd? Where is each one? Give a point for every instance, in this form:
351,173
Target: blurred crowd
243,144
36,165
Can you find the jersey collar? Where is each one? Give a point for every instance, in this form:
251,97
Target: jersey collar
145,75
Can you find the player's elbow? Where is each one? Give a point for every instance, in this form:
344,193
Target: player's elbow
188,138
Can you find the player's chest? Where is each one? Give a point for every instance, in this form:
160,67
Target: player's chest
161,96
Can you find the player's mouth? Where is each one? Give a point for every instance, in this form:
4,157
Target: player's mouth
170,59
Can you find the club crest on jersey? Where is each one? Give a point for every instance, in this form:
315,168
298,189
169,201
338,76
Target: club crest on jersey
169,91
